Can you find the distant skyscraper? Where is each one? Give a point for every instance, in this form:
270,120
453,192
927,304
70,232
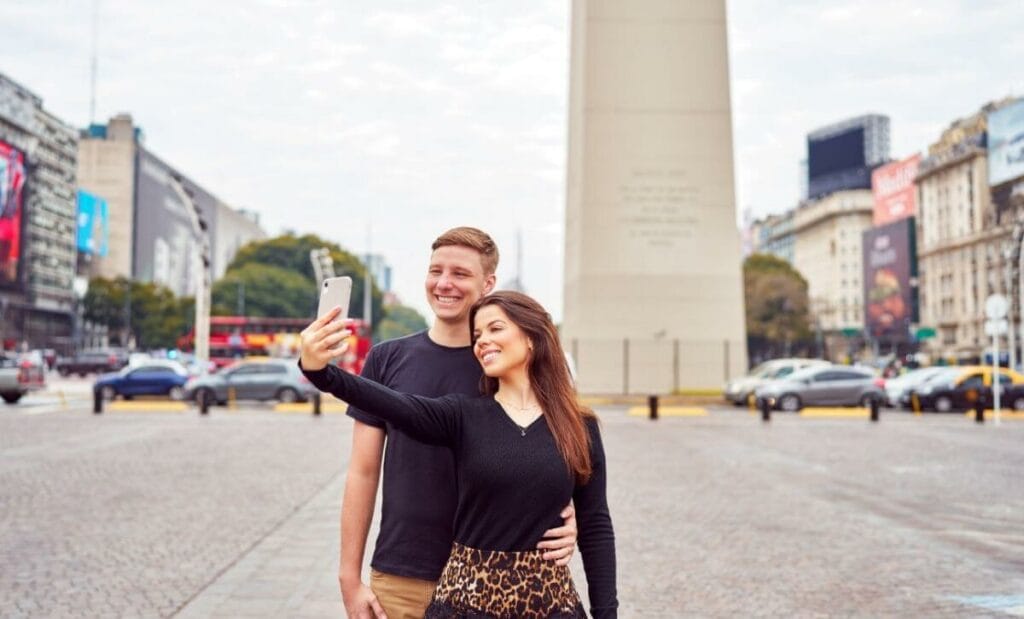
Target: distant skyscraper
379,270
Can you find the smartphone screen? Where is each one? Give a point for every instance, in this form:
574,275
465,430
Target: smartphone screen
335,291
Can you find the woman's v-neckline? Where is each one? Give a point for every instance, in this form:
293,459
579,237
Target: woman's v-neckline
522,429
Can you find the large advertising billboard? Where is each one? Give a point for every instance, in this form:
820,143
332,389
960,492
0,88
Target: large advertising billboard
93,224
837,162
1006,143
890,277
165,241
12,186
894,190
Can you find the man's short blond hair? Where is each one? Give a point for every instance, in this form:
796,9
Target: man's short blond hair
475,239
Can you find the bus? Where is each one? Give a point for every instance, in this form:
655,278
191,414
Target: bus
237,337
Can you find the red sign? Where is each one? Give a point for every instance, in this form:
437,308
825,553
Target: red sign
12,181
894,191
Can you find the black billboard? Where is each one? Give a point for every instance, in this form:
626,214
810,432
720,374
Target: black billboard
890,280
837,162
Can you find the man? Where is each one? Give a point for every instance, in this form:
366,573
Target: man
419,489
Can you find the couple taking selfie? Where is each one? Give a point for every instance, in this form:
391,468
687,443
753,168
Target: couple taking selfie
493,471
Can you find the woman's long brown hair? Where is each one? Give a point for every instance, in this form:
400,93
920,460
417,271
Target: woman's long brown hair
549,377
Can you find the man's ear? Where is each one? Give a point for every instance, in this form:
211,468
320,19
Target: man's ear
489,283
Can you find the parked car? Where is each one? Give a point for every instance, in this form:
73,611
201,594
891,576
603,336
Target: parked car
959,389
18,378
156,377
739,390
832,385
896,387
270,379
91,361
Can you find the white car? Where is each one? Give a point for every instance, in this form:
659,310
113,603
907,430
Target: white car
740,389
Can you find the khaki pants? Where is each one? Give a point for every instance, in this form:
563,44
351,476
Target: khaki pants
401,597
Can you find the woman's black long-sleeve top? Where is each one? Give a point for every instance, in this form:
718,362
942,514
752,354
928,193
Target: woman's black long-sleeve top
512,481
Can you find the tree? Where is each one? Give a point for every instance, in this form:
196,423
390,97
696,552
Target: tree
289,252
778,321
400,320
148,314
269,291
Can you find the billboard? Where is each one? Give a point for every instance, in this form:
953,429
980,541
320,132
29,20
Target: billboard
837,162
12,185
165,241
1006,143
890,280
894,190
93,224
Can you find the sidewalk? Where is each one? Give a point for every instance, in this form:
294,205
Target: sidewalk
292,572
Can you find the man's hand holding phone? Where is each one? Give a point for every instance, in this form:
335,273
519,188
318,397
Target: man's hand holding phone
324,339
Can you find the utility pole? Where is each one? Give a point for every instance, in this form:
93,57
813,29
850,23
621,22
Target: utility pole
367,280
92,75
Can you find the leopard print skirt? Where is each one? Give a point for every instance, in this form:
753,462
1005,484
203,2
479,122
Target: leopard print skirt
487,584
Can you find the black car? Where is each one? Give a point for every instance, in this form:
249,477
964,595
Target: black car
958,392
92,361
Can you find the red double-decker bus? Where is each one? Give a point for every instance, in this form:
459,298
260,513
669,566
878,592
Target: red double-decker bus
237,337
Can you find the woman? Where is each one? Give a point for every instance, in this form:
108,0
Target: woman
522,450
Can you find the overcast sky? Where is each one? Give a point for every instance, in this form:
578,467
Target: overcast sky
409,117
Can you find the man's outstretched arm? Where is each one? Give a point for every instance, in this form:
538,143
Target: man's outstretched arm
356,516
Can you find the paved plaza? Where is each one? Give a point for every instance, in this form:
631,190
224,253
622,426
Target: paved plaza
157,514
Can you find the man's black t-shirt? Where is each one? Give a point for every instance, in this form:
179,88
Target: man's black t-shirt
419,488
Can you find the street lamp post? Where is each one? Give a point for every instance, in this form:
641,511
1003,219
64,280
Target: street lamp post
202,272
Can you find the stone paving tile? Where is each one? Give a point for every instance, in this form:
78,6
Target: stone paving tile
715,516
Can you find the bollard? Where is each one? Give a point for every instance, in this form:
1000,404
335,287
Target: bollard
915,403
874,410
766,410
231,398
97,402
204,402
316,403
652,406
979,410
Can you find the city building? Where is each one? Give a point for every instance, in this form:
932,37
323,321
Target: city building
842,155
775,236
827,252
37,222
961,244
380,271
154,236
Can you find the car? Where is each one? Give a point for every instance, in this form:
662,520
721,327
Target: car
831,385
92,361
898,386
960,388
155,377
18,377
268,379
739,390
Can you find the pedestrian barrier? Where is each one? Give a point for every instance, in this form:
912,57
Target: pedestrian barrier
766,410
316,404
97,402
652,406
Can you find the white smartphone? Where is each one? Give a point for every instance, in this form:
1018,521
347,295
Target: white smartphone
335,291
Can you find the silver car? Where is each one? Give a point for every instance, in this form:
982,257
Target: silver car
897,389
833,385
274,379
738,390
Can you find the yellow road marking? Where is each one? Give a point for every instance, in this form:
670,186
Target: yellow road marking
835,412
669,411
144,406
991,414
307,407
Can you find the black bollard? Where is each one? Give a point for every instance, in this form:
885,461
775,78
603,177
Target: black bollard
979,410
204,402
874,410
652,406
316,403
766,410
97,402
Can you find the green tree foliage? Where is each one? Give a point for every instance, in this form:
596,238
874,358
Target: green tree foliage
400,320
778,320
289,252
268,290
147,313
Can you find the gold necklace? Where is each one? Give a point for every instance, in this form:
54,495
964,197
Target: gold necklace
521,409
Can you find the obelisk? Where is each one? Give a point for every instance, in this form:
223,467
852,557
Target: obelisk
653,282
